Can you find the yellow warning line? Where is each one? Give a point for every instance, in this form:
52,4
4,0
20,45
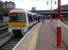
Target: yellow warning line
33,41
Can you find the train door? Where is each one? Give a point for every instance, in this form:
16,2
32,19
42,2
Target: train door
30,18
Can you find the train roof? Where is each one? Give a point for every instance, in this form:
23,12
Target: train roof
17,10
22,11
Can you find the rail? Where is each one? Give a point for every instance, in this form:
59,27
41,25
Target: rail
4,34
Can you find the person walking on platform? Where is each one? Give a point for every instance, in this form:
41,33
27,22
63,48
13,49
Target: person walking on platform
38,19
43,19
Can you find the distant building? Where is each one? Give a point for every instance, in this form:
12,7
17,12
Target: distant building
9,5
33,9
64,11
1,4
4,9
6,4
64,8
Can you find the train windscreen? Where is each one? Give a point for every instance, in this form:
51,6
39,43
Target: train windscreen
18,17
21,17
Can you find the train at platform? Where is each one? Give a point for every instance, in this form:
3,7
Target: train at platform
20,20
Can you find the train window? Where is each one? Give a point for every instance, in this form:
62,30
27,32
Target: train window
12,17
17,17
21,17
30,18
35,17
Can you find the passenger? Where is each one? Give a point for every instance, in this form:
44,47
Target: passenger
43,19
35,19
38,19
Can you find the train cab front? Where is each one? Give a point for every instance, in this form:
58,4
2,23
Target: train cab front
17,28
17,24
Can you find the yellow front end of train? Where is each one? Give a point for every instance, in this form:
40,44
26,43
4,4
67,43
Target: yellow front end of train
17,23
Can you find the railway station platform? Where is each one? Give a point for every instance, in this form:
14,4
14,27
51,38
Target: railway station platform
42,37
47,37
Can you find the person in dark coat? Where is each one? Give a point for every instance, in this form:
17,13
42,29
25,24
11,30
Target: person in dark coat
43,19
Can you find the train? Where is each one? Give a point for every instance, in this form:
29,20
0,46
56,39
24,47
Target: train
20,20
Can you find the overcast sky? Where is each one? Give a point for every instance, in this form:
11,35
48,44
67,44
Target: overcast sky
39,4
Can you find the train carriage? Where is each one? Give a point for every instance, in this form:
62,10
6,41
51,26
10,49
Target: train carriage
20,20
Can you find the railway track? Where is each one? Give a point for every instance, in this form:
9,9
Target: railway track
6,40
10,44
10,41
